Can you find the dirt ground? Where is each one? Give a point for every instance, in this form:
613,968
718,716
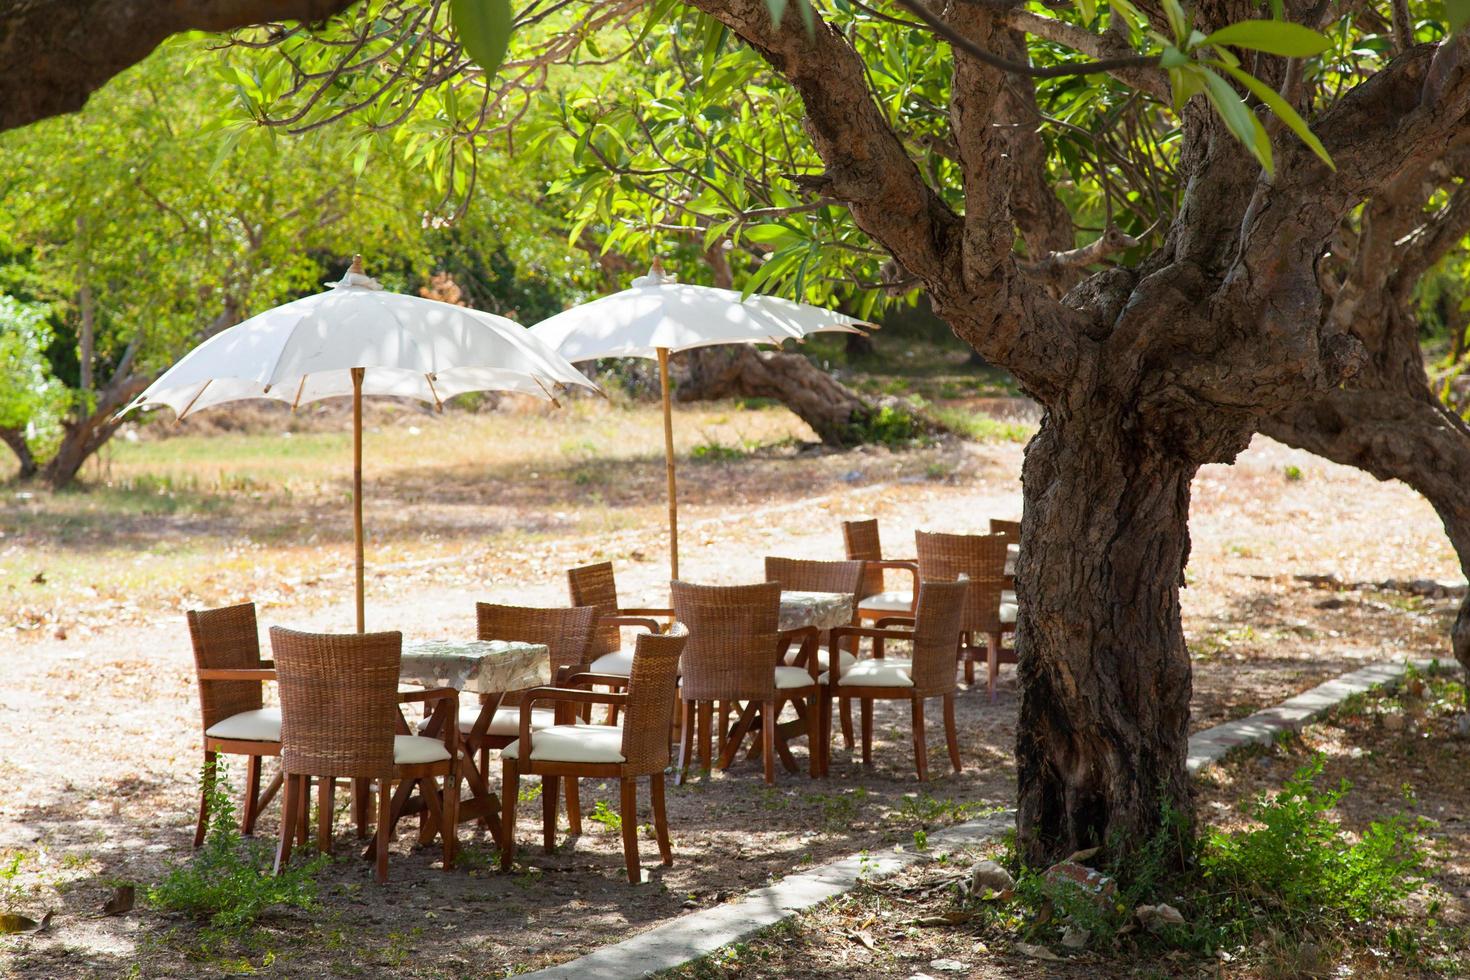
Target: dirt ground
100,728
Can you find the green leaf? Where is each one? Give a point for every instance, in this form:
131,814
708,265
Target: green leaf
1089,10
1178,22
1238,119
1283,111
1172,57
1184,84
483,27
1273,37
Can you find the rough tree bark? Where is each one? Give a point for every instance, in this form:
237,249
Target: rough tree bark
16,440
55,53
1145,374
1388,421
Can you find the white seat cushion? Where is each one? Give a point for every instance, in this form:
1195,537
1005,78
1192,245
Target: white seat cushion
618,662
888,601
261,725
888,672
1006,595
1007,612
789,677
506,721
415,750
844,657
572,743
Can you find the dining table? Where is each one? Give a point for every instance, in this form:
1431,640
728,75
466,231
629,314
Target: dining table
488,668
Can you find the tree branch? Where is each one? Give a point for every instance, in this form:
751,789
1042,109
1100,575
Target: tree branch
1106,48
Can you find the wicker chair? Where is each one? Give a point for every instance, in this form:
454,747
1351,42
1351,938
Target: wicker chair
1012,531
980,558
339,717
638,747
594,585
568,635
236,722
735,655
930,673
874,602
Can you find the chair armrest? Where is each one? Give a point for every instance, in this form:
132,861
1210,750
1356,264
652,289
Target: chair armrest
588,677
443,720
888,621
898,564
661,613
877,634
429,694
811,639
236,674
652,625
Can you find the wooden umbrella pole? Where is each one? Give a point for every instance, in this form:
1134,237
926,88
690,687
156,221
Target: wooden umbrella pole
663,381
357,374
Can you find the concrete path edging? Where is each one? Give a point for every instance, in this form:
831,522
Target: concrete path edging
688,937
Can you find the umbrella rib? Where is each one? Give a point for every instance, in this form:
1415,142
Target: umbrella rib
548,394
438,404
181,415
299,389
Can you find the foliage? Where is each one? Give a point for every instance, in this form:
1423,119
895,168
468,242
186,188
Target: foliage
32,401
228,881
1299,867
890,425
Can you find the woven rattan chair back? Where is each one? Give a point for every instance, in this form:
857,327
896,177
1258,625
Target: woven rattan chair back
339,701
652,685
731,654
226,639
802,575
979,557
567,632
862,543
594,585
937,637
1011,529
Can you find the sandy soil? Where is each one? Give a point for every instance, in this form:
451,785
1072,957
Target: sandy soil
101,742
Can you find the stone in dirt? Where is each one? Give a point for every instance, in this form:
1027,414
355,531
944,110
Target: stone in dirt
987,877
948,966
1074,938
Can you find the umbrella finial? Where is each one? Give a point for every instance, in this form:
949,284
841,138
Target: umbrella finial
656,275
354,276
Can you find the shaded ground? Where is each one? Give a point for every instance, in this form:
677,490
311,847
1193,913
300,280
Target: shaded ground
99,727
911,925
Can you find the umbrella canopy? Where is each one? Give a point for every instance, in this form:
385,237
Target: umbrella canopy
358,339
657,316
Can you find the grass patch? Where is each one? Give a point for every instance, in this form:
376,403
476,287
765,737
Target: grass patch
984,428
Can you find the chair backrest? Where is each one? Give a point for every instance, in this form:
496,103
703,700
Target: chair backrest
862,543
226,638
1011,529
567,632
937,628
594,585
979,557
804,575
339,701
652,686
733,630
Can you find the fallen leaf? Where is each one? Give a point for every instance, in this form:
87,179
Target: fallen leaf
12,924
1079,856
865,939
121,901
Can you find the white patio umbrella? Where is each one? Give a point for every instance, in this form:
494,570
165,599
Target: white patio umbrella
356,339
657,316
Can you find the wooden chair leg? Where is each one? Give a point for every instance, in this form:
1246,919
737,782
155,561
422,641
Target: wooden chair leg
992,662
865,708
303,811
550,786
324,793
628,812
825,734
847,723
206,786
686,739
768,741
706,715
951,734
921,744
574,806
362,806
252,795
385,829
510,791
290,794
450,829
660,818
814,743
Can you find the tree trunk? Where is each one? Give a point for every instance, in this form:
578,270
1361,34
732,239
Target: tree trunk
1104,671
838,415
16,440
